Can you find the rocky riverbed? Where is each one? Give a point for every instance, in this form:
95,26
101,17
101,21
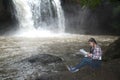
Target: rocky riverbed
46,58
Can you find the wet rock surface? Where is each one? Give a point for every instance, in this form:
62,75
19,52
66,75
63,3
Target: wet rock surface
113,51
44,59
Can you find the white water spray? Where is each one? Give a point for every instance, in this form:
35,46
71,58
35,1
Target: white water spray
38,17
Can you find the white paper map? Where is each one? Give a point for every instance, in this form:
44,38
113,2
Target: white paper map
83,52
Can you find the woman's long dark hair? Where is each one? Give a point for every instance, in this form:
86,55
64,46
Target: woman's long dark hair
92,40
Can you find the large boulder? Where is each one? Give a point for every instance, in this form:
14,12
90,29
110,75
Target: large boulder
44,59
113,51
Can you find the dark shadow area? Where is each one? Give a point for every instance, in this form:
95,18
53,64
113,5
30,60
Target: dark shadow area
8,20
112,52
102,20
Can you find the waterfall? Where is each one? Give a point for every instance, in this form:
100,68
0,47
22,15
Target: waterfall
40,15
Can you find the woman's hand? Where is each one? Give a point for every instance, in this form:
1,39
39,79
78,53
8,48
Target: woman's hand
89,55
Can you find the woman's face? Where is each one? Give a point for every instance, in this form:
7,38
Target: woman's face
91,44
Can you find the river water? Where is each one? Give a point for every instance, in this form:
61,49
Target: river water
15,53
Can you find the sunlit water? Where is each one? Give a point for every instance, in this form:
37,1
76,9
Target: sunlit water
15,50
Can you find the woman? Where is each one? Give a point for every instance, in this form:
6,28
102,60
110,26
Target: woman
93,58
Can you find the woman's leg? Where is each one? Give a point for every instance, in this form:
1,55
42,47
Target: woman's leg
96,64
85,61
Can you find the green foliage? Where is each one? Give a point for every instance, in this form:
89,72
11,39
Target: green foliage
90,3
94,3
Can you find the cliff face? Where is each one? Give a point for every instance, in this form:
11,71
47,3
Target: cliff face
8,20
103,19
1,6
1,10
82,19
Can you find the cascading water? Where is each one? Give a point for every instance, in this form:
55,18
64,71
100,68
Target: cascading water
39,15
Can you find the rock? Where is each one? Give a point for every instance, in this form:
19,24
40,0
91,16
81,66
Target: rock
113,51
44,59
